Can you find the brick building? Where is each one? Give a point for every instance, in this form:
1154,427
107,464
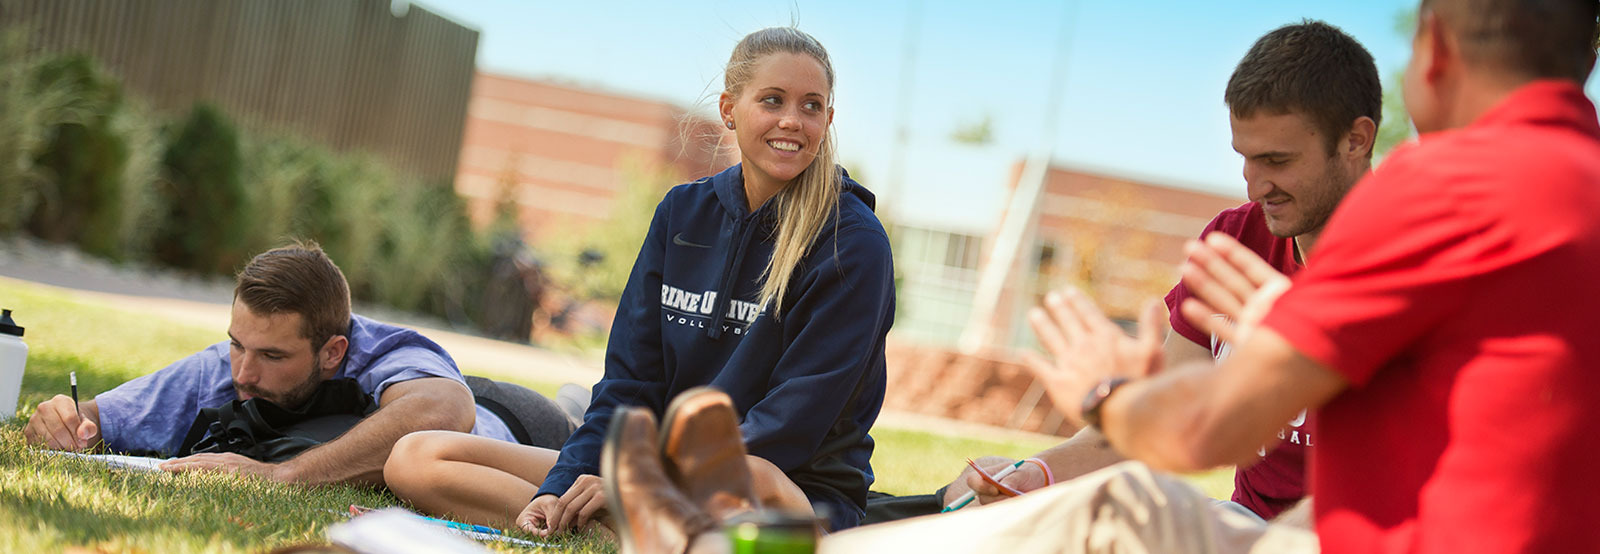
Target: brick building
1120,238
564,153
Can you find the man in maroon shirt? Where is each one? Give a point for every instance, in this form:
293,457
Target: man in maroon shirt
1305,103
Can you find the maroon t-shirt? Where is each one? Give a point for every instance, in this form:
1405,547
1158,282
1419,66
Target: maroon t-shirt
1278,480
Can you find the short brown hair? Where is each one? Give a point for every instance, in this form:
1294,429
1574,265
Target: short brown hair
1537,39
1310,67
300,279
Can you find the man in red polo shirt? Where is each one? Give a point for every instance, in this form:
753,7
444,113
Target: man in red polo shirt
1305,103
1445,331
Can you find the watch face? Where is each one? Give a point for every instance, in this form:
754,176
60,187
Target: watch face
1097,399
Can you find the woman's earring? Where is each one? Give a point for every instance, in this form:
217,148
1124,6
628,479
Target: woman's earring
729,124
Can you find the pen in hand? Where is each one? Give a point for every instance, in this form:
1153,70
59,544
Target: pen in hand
72,377
971,494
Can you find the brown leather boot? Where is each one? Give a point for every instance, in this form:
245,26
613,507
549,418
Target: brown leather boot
651,515
704,453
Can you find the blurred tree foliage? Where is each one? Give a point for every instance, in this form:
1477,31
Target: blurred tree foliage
977,133
204,229
83,158
401,242
100,163
1396,126
29,110
616,241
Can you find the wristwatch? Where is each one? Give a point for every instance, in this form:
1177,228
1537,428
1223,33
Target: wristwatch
1096,399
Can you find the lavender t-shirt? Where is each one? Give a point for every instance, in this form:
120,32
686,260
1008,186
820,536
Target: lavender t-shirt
154,412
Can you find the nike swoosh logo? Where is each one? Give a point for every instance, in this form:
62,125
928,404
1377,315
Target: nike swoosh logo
678,240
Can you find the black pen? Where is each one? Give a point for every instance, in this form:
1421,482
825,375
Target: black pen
72,376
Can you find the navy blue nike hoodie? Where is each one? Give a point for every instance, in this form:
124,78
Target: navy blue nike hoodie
807,384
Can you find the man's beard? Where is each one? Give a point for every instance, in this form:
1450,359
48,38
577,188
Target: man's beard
293,399
1330,188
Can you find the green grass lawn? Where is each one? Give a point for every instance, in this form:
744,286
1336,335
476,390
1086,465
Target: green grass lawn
50,504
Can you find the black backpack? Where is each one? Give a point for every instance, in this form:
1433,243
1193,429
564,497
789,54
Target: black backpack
264,431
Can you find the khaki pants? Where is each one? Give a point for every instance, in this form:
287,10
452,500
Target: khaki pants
1125,508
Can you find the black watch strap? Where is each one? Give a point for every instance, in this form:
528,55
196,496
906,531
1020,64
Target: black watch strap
1096,399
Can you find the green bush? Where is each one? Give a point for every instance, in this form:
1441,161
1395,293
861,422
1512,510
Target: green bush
83,158
99,164
28,111
400,242
207,211
279,174
80,161
140,208
297,189
427,240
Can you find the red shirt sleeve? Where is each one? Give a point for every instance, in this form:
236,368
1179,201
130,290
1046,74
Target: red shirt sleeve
1392,262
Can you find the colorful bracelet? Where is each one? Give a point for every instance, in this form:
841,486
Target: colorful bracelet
1049,478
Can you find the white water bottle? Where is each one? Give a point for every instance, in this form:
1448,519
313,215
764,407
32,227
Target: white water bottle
13,358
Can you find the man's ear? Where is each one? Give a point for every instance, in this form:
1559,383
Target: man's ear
1359,139
332,354
1440,45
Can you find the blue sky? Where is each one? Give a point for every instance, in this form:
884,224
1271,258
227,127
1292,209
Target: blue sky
1142,90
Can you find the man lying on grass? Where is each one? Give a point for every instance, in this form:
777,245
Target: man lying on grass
293,343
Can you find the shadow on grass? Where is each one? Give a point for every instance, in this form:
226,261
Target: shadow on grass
79,524
48,503
57,502
47,376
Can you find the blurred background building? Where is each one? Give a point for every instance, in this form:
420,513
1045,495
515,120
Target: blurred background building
563,153
352,74
1120,238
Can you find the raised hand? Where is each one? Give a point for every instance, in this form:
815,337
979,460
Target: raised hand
1227,278
1088,348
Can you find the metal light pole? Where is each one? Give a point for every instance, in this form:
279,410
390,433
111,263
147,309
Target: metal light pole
1023,211
902,134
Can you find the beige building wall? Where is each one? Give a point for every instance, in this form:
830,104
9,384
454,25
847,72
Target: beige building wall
1118,238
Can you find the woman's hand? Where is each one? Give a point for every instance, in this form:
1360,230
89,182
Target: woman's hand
549,514
532,518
